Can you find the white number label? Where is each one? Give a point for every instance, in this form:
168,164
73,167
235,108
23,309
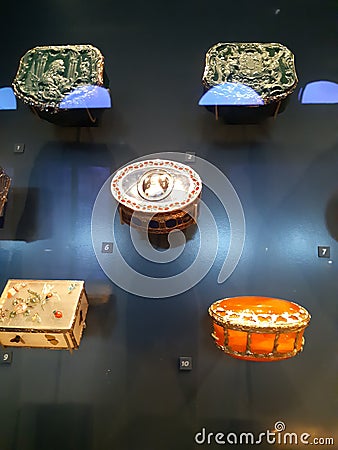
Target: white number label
6,358
185,363
107,247
323,252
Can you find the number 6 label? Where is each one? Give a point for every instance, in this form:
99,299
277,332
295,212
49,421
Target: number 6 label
107,247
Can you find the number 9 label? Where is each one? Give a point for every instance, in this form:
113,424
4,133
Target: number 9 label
6,357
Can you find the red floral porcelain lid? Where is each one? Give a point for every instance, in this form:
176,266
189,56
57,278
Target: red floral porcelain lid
156,186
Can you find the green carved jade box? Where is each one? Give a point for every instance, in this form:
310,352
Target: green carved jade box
267,69
47,77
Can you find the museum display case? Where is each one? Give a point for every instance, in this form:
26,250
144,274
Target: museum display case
153,370
248,81
65,85
43,313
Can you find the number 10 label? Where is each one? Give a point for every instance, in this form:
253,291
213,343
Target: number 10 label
185,363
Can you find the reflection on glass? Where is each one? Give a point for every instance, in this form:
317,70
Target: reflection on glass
87,97
231,94
319,92
7,99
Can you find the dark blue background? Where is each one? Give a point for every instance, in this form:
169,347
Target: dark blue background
122,388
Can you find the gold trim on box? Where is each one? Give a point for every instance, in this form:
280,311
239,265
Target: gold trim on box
274,355
294,320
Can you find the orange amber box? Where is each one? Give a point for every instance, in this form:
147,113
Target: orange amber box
259,328
43,313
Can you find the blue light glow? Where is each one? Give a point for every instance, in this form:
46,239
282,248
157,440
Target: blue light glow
319,92
231,94
7,99
87,97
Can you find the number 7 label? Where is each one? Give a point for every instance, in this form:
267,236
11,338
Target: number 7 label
323,252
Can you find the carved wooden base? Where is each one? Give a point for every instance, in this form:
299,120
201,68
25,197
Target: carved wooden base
160,223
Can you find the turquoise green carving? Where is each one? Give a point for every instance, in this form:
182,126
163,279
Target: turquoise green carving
267,68
47,74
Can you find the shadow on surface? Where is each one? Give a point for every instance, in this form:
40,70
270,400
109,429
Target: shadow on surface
331,216
54,427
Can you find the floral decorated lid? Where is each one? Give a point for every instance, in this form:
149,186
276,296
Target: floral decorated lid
40,304
156,186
